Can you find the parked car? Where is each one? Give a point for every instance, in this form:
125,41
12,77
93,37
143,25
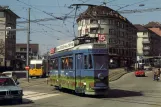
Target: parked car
139,73
10,74
9,89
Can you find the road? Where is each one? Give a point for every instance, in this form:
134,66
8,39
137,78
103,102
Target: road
128,91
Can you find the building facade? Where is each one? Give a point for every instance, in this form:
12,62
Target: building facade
111,28
7,38
155,27
21,53
148,43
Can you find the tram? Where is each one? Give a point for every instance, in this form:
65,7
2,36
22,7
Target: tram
82,68
38,68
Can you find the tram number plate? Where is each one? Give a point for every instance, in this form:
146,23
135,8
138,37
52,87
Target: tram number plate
100,84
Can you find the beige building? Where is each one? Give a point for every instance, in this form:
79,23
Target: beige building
148,43
115,30
7,38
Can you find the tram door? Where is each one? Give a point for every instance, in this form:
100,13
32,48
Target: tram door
78,67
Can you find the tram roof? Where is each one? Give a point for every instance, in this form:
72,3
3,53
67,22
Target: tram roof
80,48
90,46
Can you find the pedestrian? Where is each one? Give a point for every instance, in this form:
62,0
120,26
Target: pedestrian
155,74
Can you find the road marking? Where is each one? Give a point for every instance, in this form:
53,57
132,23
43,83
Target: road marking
31,95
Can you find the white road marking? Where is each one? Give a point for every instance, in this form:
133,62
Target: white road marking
31,95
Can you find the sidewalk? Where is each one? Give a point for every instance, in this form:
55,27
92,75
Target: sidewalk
115,74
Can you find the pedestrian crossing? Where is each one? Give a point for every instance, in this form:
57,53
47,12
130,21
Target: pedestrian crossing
32,95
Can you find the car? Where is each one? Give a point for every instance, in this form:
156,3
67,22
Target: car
140,73
10,74
9,89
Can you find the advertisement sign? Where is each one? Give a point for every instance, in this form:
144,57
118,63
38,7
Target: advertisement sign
65,46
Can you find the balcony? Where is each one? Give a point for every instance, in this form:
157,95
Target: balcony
146,42
146,48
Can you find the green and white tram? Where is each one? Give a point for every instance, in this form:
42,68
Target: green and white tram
82,68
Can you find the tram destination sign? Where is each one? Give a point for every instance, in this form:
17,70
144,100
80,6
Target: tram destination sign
65,46
99,46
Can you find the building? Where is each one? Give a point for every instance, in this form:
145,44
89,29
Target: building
155,27
148,43
112,28
7,38
21,53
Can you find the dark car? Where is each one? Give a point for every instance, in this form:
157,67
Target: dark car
9,89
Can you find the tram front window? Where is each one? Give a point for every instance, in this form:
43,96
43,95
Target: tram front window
32,66
38,66
100,61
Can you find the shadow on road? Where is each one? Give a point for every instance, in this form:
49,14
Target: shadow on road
10,102
116,93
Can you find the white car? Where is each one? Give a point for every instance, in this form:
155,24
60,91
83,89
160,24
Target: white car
10,74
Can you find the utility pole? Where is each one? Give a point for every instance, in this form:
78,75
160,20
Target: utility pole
28,40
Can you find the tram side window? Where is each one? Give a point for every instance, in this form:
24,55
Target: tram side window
85,62
67,63
90,66
88,62
55,64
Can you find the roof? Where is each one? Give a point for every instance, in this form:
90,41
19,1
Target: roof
156,30
34,47
95,11
153,24
9,11
140,28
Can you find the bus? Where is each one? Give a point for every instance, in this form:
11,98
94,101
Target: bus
38,68
82,68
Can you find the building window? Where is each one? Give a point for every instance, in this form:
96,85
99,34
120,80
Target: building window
93,21
104,21
118,23
110,22
122,25
111,31
1,14
145,33
86,21
93,30
102,30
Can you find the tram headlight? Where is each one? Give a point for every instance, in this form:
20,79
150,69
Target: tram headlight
84,83
101,76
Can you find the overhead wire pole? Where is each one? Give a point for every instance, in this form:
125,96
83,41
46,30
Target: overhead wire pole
28,42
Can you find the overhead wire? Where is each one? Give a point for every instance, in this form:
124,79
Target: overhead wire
59,18
131,4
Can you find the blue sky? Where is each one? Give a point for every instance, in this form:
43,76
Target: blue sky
52,33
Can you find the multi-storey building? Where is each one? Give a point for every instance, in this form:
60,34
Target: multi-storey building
148,43
7,38
155,27
115,30
21,50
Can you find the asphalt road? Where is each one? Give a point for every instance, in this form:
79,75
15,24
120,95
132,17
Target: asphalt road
128,91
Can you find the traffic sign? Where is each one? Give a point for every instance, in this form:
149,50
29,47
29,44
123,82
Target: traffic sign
27,68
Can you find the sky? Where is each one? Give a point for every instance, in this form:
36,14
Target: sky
51,33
